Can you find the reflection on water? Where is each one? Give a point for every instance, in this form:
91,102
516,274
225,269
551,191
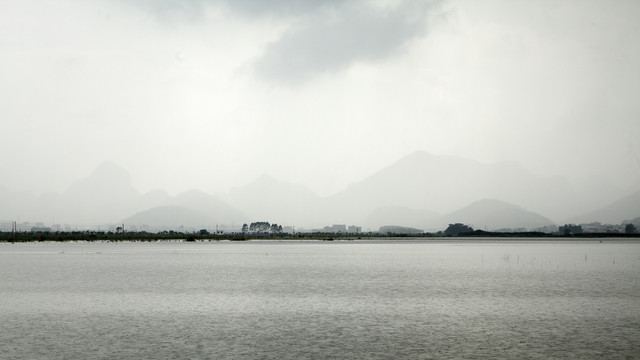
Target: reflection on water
386,299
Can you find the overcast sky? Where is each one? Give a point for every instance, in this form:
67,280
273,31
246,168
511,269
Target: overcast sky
211,94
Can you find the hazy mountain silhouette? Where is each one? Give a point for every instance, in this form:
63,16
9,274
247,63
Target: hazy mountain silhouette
151,199
100,198
635,221
171,218
597,192
395,229
17,204
267,199
408,193
402,216
108,183
211,206
625,208
191,209
482,214
107,196
490,214
446,183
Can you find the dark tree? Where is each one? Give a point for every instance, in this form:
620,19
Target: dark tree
276,229
245,228
630,229
457,229
570,229
260,227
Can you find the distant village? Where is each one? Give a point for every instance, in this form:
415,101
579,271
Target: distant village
39,230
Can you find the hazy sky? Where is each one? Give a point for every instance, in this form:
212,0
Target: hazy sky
209,94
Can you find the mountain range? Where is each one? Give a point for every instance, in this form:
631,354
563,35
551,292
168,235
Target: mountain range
622,208
421,191
447,183
485,214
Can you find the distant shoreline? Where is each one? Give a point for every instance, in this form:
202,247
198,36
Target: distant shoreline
94,236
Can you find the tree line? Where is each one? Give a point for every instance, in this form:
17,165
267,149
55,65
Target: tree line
262,227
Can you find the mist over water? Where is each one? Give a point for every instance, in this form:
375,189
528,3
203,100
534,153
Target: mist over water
356,299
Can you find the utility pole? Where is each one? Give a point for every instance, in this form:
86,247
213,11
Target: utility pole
14,229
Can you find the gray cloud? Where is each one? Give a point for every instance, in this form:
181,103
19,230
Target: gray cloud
328,41
324,36
280,7
245,7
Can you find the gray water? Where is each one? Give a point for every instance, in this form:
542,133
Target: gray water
355,299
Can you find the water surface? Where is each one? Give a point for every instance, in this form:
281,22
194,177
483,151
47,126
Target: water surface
351,299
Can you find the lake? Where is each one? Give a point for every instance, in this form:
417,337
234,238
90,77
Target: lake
414,299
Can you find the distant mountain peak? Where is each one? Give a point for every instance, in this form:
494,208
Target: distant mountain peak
496,214
421,159
266,180
268,198
111,170
495,204
266,177
193,193
624,208
106,175
108,183
417,156
171,217
259,182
